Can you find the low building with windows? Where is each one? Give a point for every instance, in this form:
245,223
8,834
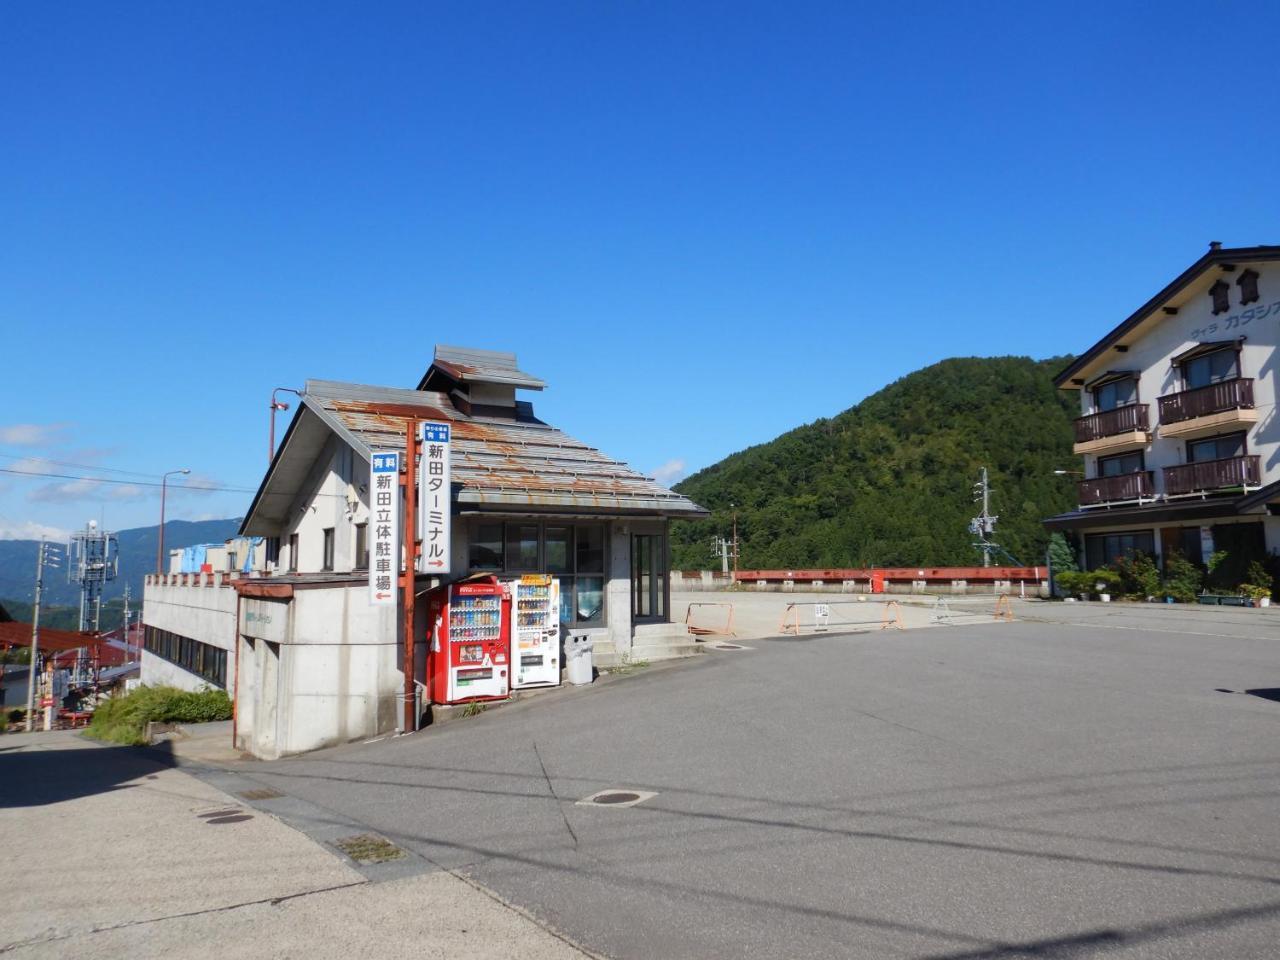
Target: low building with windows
1178,428
313,662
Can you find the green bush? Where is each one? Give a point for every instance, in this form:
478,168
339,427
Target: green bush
1182,578
125,719
1139,577
1074,583
1258,582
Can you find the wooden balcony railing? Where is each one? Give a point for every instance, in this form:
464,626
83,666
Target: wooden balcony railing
1212,475
1127,486
1202,401
1112,422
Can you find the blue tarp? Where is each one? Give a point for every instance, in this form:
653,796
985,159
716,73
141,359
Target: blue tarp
193,558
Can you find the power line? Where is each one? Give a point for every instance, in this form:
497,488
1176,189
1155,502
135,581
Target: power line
128,483
78,466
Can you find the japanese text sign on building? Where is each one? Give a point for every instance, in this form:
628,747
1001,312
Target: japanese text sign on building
434,495
384,520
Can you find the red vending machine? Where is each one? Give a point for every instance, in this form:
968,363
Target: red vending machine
469,653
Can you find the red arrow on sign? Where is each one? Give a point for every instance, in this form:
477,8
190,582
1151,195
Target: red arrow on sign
435,563
381,596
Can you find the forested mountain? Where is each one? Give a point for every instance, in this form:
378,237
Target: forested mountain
889,481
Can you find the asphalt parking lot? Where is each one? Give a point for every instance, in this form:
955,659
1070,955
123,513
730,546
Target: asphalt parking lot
1099,787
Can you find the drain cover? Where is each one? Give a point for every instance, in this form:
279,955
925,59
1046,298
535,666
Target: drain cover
264,794
232,818
729,646
369,848
616,798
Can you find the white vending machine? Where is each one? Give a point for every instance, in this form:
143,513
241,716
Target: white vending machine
535,631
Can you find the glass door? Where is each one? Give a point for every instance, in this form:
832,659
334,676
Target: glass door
648,577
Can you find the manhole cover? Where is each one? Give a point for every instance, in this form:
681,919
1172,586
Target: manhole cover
263,794
728,646
234,818
616,798
369,848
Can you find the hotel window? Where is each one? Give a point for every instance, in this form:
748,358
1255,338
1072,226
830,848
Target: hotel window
1120,465
1106,548
1220,292
362,546
1215,448
293,553
1248,284
273,551
328,549
1117,393
1209,368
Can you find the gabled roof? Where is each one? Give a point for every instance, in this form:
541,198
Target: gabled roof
469,365
1216,257
520,464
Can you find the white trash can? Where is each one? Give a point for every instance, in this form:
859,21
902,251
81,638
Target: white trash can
577,657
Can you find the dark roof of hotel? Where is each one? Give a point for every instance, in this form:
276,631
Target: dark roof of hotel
1215,257
516,464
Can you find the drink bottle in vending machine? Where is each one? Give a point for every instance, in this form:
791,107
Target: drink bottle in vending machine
535,631
469,649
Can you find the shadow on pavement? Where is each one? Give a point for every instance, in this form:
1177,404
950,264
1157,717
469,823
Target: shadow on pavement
36,777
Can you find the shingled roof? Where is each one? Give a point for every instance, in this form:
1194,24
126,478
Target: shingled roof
514,463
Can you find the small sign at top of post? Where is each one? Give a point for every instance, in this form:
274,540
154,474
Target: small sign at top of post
434,498
384,546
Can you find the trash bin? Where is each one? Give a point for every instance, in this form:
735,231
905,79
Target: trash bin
577,657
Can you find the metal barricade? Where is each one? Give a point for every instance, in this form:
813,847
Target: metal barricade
699,630
821,616
971,608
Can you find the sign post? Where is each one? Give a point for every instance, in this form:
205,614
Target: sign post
435,499
384,562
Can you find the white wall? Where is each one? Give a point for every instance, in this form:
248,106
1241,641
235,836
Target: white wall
337,496
204,612
1195,323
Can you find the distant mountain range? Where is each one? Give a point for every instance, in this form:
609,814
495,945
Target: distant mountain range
888,482
137,559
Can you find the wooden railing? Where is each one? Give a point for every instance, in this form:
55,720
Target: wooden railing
1127,486
1111,422
1202,401
1212,475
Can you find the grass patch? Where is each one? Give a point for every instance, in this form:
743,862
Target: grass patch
474,709
627,666
124,719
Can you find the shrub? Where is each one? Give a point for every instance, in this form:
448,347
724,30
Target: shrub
1182,578
1139,578
1258,582
125,719
1074,583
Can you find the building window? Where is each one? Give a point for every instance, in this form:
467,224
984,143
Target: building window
486,547
1211,368
293,553
232,561
1103,549
273,551
204,660
327,563
1248,284
1120,465
362,546
1221,301
1117,393
1215,448
575,554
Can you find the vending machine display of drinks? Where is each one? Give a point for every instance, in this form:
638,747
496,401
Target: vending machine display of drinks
469,654
535,631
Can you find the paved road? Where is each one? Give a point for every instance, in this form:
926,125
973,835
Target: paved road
1000,790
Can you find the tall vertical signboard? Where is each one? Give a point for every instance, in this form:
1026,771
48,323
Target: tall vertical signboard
434,498
384,547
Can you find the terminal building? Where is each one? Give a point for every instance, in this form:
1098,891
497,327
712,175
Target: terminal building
1178,427
307,658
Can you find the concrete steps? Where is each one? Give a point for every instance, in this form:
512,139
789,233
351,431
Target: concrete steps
650,642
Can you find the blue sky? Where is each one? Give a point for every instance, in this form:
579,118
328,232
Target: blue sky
701,224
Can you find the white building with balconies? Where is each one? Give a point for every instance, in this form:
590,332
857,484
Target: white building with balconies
1178,427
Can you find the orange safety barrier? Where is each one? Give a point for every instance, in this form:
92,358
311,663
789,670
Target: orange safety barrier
701,631
892,616
1004,607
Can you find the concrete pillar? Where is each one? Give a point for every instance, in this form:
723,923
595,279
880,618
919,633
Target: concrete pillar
618,587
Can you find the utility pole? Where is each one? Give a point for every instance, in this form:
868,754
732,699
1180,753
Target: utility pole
720,548
126,620
41,555
983,525
734,507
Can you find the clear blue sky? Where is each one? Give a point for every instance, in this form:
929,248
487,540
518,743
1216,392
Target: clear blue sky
702,224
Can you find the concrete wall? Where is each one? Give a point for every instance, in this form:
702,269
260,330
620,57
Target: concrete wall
201,607
319,669
335,495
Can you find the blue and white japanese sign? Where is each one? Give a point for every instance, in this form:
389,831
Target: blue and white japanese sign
434,495
384,545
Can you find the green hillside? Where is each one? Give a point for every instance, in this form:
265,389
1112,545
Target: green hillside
888,482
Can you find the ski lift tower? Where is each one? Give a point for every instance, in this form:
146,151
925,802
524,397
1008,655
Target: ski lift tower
94,559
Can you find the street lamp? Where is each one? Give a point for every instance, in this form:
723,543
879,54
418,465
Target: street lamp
277,405
164,481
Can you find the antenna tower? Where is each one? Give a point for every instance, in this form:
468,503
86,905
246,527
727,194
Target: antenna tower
94,558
